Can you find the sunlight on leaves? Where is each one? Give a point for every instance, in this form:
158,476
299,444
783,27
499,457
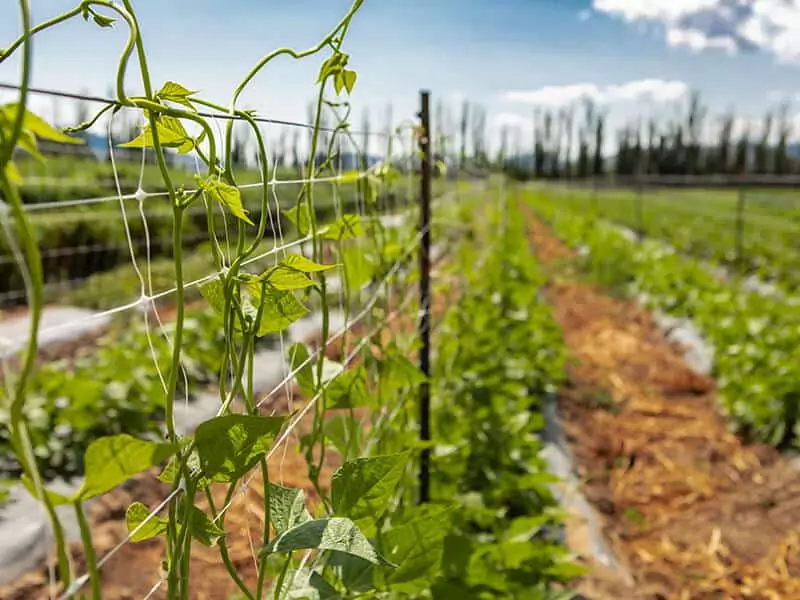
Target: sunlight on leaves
113,460
231,445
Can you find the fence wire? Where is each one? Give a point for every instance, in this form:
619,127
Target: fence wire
136,224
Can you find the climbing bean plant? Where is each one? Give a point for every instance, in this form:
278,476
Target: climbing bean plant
483,536
351,529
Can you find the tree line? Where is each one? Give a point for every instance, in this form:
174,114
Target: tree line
575,142
567,142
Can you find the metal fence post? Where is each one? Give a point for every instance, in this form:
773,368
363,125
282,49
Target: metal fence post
640,208
740,206
425,294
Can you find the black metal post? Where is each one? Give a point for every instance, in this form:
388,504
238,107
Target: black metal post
425,295
640,210
740,205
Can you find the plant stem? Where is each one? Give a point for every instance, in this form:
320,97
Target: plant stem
223,551
88,551
262,563
17,425
282,577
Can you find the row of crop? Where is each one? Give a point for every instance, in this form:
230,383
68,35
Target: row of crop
756,339
486,532
111,386
706,225
498,353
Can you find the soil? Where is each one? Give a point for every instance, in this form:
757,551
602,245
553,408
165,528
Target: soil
691,510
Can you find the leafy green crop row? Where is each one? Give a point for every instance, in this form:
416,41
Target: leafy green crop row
498,353
486,531
756,338
107,388
703,223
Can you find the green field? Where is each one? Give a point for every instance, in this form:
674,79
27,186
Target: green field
756,338
80,243
763,239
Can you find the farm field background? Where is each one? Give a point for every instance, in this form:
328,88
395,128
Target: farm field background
748,230
448,352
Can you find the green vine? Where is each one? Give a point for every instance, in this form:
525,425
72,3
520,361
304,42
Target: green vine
364,539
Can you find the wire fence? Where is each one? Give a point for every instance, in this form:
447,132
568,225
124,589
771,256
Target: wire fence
82,235
113,251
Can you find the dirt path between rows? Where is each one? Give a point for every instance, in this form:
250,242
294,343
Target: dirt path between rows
689,509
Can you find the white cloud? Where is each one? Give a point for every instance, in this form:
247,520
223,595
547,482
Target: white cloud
771,26
557,95
585,15
643,90
511,120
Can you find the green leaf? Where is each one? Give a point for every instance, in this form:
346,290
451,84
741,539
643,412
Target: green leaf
175,92
334,533
227,195
417,546
396,372
137,516
37,126
287,507
298,262
344,228
355,573
300,217
204,530
345,433
344,79
55,498
348,80
457,553
348,390
171,134
102,20
363,487
287,279
214,293
193,471
27,142
564,570
324,589
231,445
332,65
113,460
359,269
350,177
12,173
170,472
291,273
298,354
281,308
338,83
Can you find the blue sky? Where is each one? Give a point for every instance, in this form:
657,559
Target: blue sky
505,54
